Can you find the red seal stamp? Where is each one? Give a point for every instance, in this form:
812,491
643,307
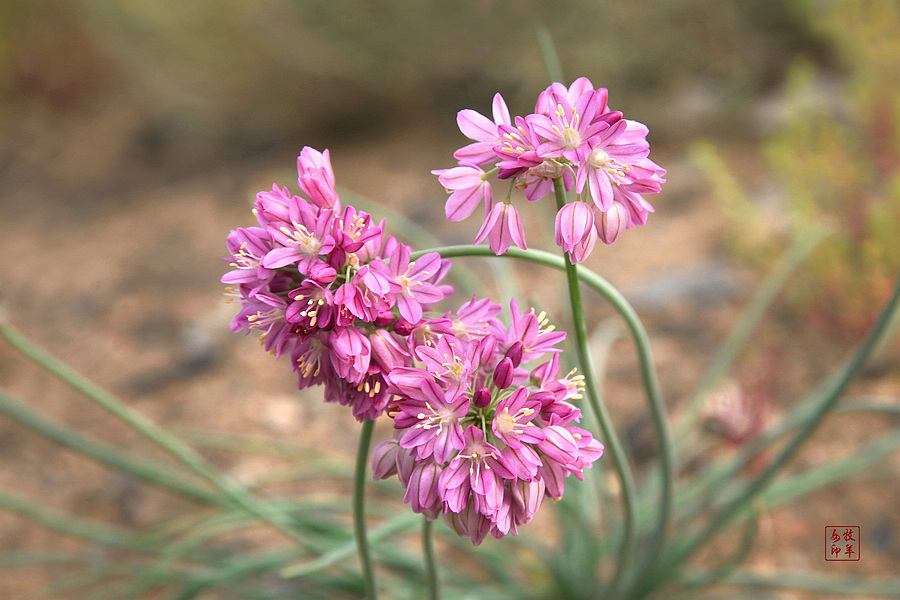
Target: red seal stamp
842,542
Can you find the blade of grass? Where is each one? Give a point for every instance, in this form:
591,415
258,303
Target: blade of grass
235,492
749,320
90,530
392,527
105,454
818,583
829,394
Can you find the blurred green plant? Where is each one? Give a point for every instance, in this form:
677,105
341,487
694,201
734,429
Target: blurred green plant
837,157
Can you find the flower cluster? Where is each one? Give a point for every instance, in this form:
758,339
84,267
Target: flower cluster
572,136
478,437
325,286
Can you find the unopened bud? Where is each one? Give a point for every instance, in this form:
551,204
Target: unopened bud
482,397
612,223
503,374
515,353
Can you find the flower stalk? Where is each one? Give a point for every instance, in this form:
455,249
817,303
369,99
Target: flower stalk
359,509
626,478
434,590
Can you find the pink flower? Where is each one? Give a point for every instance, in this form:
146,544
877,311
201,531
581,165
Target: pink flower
303,240
415,281
502,227
431,419
316,178
568,125
469,186
479,470
350,353
248,247
517,149
607,160
477,127
475,319
612,223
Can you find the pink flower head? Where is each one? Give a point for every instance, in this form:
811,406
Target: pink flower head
500,439
323,284
572,137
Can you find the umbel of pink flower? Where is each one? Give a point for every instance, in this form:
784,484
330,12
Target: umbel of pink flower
479,438
323,285
573,135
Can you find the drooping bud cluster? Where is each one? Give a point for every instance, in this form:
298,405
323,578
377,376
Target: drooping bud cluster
572,135
325,286
479,437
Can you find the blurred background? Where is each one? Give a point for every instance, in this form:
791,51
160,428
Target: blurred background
135,135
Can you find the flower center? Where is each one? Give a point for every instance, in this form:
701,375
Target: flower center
569,131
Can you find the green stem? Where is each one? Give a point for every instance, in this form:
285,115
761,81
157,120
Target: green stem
434,592
831,393
235,492
359,512
629,539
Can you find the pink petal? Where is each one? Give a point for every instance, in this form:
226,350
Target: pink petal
476,126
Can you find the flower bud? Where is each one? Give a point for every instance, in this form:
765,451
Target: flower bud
612,223
515,353
482,397
503,373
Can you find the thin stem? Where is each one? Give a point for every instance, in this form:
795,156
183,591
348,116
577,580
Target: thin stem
434,591
629,539
359,512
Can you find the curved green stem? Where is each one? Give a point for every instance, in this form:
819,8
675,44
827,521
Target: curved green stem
359,512
434,590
